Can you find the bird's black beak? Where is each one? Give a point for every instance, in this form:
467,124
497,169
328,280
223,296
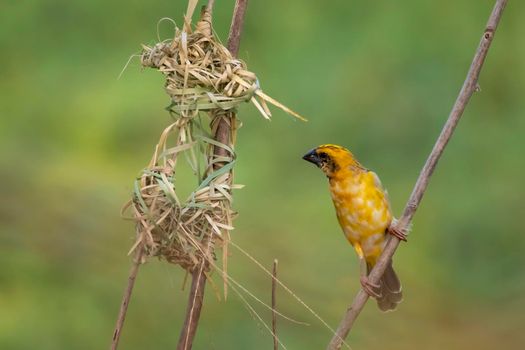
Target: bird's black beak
312,157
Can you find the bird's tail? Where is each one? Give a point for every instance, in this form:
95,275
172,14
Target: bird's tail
390,290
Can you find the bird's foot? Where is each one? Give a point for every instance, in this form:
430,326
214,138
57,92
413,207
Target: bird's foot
399,233
370,288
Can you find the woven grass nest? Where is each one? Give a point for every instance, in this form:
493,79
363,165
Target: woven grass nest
201,76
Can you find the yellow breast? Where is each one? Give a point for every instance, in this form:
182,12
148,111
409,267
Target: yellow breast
362,209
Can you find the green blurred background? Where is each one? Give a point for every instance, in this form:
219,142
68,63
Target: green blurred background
378,77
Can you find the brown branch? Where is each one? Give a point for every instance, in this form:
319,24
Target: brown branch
224,135
469,87
274,304
196,298
234,38
209,6
137,261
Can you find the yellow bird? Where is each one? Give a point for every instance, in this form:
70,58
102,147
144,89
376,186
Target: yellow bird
364,213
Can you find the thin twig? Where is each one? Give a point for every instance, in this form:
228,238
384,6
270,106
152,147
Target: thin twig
137,261
469,87
274,304
198,284
234,38
209,6
223,135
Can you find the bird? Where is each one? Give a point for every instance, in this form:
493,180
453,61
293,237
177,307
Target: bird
365,216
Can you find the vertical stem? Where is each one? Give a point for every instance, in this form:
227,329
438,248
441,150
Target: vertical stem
234,38
196,298
224,135
274,304
137,260
469,87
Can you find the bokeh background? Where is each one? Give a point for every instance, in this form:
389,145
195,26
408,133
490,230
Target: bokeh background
378,77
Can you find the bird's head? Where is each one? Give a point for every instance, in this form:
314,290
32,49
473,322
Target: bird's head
332,159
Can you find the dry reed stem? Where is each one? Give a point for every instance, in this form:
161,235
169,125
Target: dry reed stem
469,87
137,260
274,304
225,135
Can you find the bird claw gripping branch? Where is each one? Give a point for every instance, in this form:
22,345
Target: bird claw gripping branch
394,231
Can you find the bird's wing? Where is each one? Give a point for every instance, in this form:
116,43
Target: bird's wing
381,189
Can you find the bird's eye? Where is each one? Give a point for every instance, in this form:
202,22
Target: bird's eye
323,156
